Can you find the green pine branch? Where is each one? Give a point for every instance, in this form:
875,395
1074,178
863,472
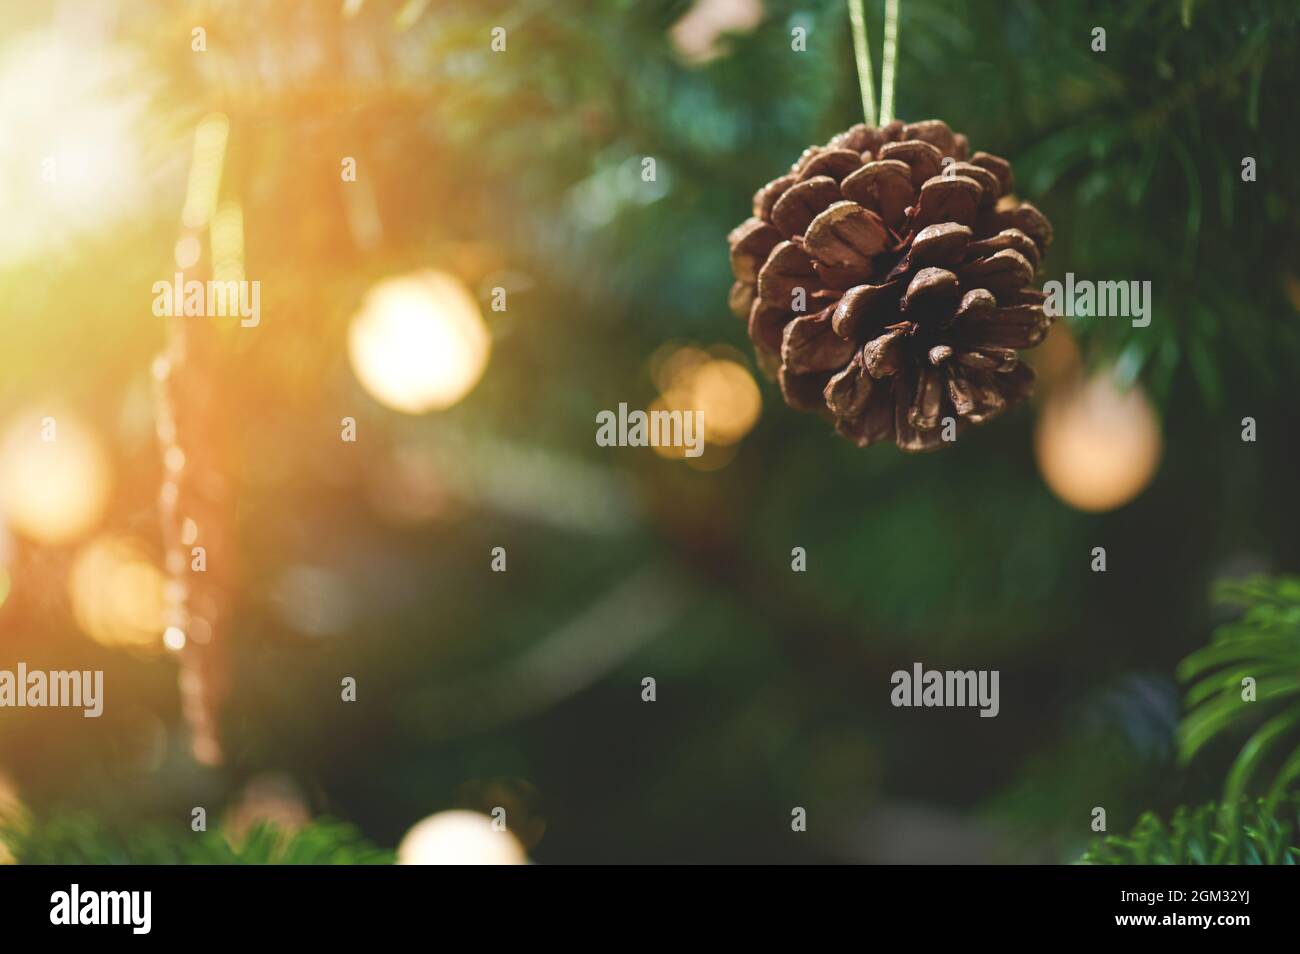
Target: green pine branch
79,838
1261,835
1249,676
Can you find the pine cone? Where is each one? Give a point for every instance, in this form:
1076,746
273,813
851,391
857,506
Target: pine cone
885,282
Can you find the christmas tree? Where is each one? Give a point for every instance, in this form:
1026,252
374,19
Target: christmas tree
310,313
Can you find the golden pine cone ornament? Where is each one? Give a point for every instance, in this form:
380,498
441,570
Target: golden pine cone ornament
886,280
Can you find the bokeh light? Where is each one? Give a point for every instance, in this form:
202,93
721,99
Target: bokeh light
117,593
419,342
729,398
174,638
1097,445
692,379
52,491
459,838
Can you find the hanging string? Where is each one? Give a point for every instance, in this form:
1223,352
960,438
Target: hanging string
862,55
887,69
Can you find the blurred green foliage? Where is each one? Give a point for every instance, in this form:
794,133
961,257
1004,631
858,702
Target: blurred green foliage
80,839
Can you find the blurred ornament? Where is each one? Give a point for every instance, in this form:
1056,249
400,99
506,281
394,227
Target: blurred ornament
697,34
459,838
270,798
52,490
887,283
1097,445
419,342
117,593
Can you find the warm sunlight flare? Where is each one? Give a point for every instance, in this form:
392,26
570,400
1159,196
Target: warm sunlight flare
70,162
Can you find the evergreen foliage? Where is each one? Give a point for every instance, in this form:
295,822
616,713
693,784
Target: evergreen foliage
82,839
1264,646
1263,835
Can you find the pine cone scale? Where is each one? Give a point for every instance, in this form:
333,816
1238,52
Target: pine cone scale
798,205
810,345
